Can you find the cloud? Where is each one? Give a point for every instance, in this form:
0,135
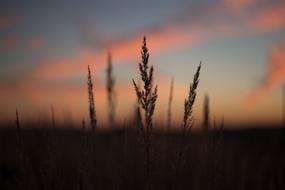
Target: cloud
239,5
215,19
168,35
268,17
66,67
126,51
275,75
183,30
276,70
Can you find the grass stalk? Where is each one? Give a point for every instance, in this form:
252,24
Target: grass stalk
169,116
147,98
189,102
92,111
206,112
110,89
187,118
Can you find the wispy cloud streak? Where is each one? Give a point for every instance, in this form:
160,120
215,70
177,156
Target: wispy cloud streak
274,77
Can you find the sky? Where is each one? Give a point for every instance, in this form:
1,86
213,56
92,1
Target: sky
46,46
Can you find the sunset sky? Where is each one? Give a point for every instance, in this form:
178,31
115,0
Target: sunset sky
46,46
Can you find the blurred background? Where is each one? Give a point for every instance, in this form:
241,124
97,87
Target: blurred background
46,46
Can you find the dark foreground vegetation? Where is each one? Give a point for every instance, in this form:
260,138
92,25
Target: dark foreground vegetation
114,159
138,155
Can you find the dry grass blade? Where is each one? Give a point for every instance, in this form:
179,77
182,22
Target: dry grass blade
110,89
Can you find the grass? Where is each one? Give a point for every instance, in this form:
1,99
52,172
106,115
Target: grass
110,83
206,112
147,99
189,102
187,122
57,158
249,157
92,111
169,113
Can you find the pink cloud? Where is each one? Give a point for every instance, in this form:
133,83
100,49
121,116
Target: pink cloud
168,36
56,68
50,69
68,67
239,5
268,18
275,74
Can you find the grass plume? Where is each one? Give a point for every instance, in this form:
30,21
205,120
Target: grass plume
92,111
189,101
170,104
110,89
187,119
147,98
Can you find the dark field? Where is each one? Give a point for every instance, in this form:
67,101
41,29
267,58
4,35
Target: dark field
76,159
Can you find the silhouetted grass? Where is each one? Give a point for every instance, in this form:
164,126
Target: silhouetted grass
42,156
169,113
189,102
206,111
92,110
146,98
110,82
253,158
